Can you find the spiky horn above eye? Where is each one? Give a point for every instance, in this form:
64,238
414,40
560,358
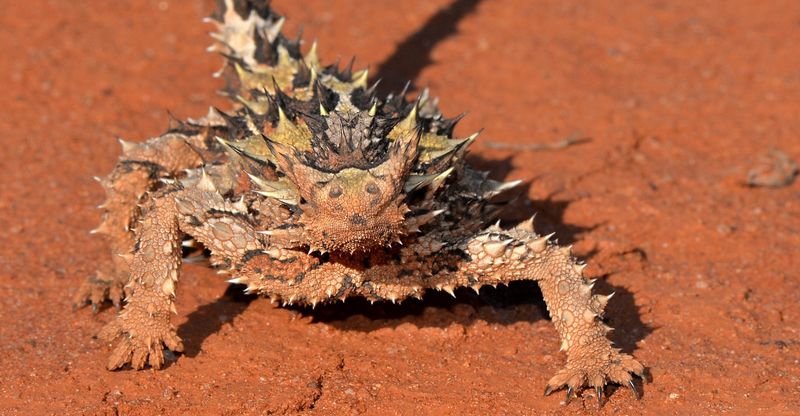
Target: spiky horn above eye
402,157
305,177
434,181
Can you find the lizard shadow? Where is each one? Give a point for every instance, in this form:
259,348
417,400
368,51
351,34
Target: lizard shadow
413,54
208,319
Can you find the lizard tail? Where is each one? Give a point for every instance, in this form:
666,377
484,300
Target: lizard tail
249,32
261,59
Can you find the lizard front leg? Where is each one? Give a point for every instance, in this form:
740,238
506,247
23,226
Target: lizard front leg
143,327
137,172
500,256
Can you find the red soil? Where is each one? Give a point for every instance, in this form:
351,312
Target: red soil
680,100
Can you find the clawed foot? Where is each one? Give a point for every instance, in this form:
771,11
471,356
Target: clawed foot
97,289
596,372
140,341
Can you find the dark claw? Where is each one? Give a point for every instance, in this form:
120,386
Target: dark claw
633,387
548,390
569,395
599,391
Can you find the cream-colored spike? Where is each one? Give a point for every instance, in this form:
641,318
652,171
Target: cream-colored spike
586,289
449,289
494,227
500,187
496,248
205,183
101,229
360,78
279,190
126,145
240,205
275,30
405,127
417,181
540,243
527,225
311,59
602,300
281,116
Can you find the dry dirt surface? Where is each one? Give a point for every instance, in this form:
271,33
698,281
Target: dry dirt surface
680,101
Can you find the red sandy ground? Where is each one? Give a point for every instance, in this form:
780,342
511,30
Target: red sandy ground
679,98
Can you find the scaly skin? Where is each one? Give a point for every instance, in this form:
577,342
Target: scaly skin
314,190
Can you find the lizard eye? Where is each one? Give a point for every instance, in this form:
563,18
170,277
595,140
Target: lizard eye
335,192
372,188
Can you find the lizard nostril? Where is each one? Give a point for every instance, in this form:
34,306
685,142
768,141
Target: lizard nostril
357,219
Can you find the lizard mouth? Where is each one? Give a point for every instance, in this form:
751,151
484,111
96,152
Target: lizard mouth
356,232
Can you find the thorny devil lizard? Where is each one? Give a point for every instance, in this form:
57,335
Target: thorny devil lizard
314,189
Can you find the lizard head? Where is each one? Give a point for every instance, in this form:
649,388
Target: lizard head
350,180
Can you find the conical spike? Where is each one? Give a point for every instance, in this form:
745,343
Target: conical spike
240,205
312,60
103,228
439,179
128,257
407,126
527,225
373,87
418,181
496,248
360,78
205,183
586,289
374,109
313,78
405,89
500,187
126,145
281,115
602,301
273,31
540,243
322,111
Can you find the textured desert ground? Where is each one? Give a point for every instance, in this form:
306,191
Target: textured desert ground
680,100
